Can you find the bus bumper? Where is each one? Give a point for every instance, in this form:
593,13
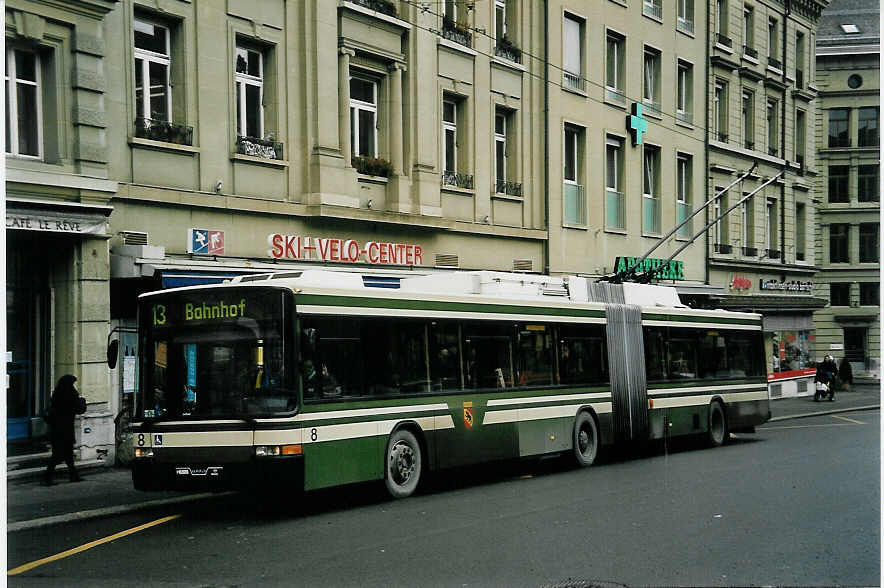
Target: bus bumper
276,472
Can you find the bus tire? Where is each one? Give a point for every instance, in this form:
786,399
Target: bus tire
586,439
403,464
717,432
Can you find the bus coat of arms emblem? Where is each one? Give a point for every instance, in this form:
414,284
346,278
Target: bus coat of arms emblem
468,415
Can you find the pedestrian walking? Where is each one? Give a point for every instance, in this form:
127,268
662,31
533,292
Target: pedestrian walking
64,405
845,373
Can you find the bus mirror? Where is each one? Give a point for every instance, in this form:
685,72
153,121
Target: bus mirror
112,348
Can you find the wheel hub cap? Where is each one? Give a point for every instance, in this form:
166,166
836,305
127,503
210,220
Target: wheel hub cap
402,462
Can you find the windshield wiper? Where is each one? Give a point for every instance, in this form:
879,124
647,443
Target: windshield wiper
148,422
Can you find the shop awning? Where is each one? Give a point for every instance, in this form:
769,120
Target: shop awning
57,216
770,303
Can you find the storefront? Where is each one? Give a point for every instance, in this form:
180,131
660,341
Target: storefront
787,309
56,311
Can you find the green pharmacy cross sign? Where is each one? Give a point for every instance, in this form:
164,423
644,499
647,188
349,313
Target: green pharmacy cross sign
636,124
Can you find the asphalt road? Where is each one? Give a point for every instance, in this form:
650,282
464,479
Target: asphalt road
798,503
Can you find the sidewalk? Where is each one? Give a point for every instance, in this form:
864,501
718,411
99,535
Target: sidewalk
108,490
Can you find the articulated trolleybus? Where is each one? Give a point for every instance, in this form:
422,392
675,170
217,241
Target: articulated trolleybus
314,379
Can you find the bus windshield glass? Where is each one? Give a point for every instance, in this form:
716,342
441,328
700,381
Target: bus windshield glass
216,353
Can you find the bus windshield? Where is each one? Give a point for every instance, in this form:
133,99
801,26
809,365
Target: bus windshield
216,353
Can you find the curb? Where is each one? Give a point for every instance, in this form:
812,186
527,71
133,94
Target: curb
107,511
824,412
26,474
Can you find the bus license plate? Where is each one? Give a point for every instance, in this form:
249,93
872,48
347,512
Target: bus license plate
212,472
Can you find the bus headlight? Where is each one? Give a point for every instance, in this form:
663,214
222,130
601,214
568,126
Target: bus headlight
143,452
270,450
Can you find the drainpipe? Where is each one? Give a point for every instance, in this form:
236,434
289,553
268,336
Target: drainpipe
783,139
706,238
546,173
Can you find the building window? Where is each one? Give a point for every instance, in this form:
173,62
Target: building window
838,182
615,214
503,126
720,228
249,79
500,19
573,195
838,127
839,239
773,46
749,31
24,124
748,119
868,127
651,85
869,188
868,242
800,231
800,130
651,190
614,67
449,136
683,183
572,53
799,60
686,15
770,228
839,294
153,91
685,92
721,20
363,117
773,110
653,8
719,112
747,226
869,294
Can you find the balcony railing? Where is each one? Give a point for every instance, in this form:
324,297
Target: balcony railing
508,188
456,32
750,52
457,179
773,151
572,80
653,8
749,144
615,95
614,212
266,148
799,79
722,137
723,248
774,63
684,116
685,25
723,40
772,253
508,50
573,205
161,130
382,6
750,251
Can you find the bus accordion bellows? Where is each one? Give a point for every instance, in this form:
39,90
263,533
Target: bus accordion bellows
313,379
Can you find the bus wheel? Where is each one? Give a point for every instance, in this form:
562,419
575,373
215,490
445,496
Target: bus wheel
717,425
586,439
403,468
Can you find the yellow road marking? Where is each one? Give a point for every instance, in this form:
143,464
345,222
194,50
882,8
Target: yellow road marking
75,550
835,416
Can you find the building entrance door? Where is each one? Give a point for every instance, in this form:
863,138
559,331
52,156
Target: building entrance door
856,345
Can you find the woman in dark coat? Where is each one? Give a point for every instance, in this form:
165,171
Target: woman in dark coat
64,405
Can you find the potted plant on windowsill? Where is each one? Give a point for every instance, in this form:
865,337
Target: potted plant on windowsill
373,166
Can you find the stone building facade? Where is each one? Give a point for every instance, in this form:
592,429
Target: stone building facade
849,235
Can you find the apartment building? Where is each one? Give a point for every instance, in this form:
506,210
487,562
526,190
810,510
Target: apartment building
849,234
762,97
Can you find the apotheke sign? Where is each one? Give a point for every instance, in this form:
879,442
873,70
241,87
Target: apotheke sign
343,250
793,286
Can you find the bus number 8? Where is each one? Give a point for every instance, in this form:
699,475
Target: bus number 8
141,440
313,434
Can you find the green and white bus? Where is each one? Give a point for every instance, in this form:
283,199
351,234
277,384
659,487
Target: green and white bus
317,378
